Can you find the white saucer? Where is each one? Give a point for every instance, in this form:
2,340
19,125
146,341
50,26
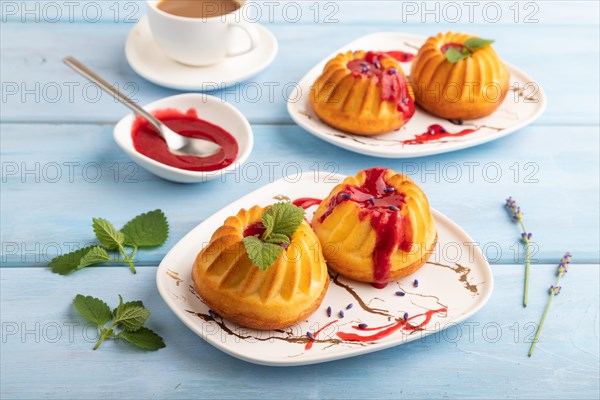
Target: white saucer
150,62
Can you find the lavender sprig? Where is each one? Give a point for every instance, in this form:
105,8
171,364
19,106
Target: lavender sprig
553,291
517,216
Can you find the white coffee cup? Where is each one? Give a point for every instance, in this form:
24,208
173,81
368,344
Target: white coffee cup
199,41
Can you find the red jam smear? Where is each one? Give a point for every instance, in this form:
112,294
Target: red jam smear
394,87
309,344
387,330
456,46
256,229
147,141
401,56
382,204
306,202
436,132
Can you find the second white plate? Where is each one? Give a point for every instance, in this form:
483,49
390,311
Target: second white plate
455,283
524,103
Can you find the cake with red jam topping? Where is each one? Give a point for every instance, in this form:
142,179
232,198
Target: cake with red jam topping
280,293
376,227
459,76
363,93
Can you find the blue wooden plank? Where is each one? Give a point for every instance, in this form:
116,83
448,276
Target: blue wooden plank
485,357
551,171
38,87
304,12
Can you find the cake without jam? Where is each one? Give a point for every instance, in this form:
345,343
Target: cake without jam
363,93
286,292
459,76
376,227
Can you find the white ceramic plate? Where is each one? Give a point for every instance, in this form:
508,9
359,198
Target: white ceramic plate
209,108
523,104
457,278
151,63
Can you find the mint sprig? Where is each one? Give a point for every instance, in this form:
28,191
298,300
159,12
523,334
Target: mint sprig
146,230
475,43
281,221
470,46
130,317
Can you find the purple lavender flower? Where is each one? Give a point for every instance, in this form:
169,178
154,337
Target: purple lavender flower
517,216
405,316
514,209
392,71
389,190
400,293
526,237
310,335
329,311
349,306
563,267
345,196
416,283
393,208
341,314
363,326
554,290
212,314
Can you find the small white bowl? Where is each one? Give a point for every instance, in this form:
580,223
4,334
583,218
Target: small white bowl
210,109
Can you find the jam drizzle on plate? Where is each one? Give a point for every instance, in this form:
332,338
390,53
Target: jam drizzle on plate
401,56
309,344
306,202
436,132
383,205
387,330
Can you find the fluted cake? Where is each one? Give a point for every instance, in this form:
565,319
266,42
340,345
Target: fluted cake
363,93
376,227
284,293
472,87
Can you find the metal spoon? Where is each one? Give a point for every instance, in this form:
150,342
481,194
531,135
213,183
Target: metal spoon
176,143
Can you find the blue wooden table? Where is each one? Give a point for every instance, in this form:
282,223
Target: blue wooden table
60,168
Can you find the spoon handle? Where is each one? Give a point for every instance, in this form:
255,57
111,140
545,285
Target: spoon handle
107,87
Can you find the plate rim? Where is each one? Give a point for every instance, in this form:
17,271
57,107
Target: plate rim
300,119
138,69
318,358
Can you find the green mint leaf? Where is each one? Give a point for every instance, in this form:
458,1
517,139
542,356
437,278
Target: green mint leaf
67,263
92,309
147,230
95,255
106,234
476,43
263,255
455,56
268,222
278,238
143,338
131,317
126,305
286,218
